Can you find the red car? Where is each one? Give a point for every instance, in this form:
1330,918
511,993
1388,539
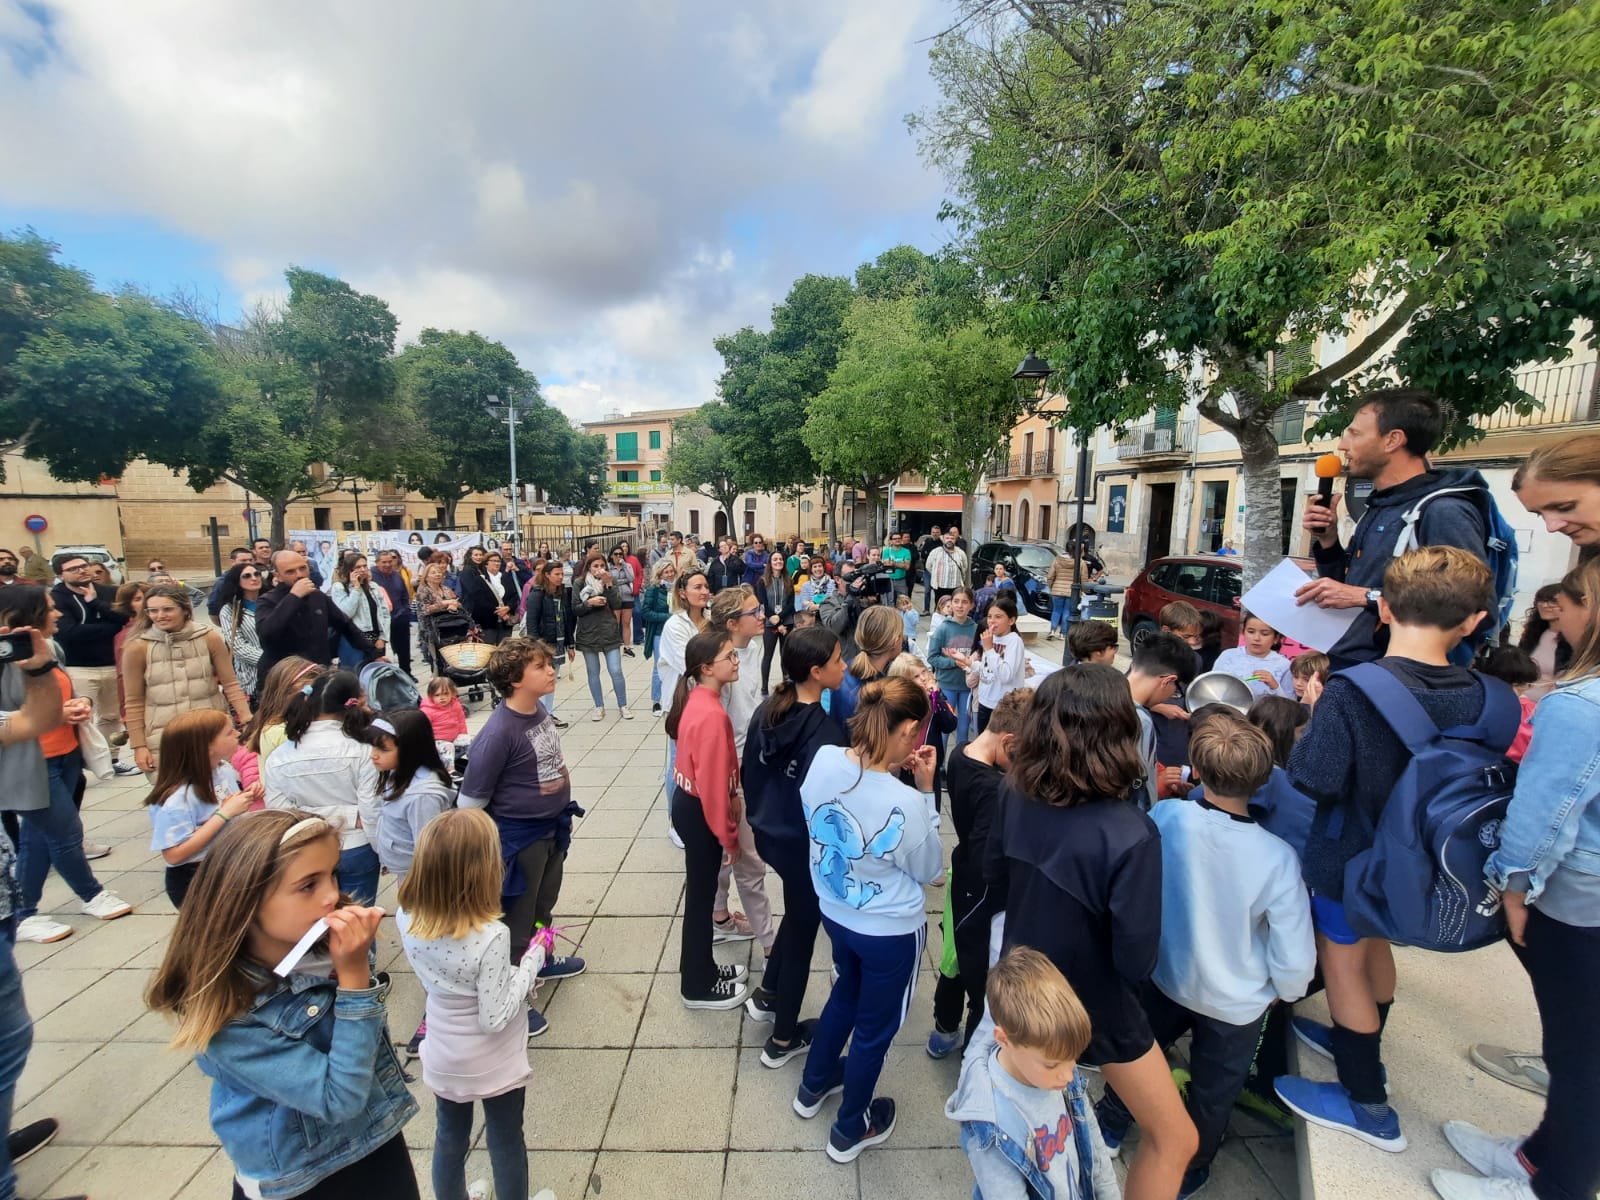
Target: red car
1210,582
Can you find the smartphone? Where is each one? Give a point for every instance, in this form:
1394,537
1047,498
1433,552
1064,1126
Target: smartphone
14,647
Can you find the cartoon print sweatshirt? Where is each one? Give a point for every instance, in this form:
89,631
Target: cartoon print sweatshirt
707,766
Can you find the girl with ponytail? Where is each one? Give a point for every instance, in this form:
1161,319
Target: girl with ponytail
880,636
705,807
874,847
326,769
691,595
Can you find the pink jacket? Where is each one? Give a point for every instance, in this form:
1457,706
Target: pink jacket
449,721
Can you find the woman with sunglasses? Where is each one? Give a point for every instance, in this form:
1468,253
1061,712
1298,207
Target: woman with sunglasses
236,617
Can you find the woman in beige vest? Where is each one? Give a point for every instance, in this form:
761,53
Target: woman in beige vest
173,664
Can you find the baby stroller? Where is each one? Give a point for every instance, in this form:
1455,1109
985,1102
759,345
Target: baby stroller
387,687
459,654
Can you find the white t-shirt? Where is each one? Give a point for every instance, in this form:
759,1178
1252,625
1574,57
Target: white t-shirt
1002,669
174,820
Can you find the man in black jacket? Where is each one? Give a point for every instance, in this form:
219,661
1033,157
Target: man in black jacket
87,633
295,618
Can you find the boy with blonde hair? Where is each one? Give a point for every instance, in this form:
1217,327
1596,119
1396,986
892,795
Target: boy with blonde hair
1025,1123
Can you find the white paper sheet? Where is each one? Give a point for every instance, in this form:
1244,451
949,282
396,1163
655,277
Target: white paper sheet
1272,599
301,948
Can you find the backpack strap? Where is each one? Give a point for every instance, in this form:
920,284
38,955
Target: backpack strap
1497,725
1395,704
1412,518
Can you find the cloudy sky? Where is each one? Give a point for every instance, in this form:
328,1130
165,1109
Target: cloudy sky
603,186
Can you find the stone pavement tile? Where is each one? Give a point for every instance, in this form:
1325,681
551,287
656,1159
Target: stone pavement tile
48,1062
641,895
625,944
667,1023
111,1171
893,1172
177,1115
596,776
419,1131
602,855
635,1175
105,945
36,1175
636,795
580,891
782,1174
1275,1158
566,1171
145,890
212,1181
124,825
1236,1175
763,1113
98,1012
571,1095
673,1100
104,1090
606,754
595,1010
609,823
49,987
920,1085
588,797
653,854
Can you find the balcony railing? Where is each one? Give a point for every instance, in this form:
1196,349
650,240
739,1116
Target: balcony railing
1157,440
1568,394
1021,466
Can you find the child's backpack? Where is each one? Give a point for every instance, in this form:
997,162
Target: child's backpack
386,687
1422,881
1500,550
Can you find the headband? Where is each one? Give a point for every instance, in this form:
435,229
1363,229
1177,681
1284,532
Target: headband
300,826
304,671
383,726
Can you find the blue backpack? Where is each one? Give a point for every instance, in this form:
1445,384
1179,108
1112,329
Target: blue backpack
1500,551
1422,881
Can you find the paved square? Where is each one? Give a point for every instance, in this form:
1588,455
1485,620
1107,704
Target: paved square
632,1096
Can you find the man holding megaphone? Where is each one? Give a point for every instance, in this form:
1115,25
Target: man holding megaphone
1387,442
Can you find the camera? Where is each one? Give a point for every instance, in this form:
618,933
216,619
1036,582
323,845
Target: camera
15,647
868,570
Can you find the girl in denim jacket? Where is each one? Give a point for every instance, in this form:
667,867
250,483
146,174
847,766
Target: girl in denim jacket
1548,867
307,1096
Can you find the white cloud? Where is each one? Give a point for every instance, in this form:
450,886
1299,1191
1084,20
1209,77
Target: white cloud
603,187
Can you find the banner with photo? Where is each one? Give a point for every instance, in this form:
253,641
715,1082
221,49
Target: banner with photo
323,547
408,541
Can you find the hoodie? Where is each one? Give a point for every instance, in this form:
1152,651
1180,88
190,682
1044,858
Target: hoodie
1027,1142
88,627
1456,520
776,760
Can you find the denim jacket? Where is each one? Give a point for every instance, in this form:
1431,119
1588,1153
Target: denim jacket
305,1083
995,1138
1550,839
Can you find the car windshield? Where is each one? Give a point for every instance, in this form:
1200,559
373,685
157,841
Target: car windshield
1034,559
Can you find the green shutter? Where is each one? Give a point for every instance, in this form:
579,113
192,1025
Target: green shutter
655,439
627,447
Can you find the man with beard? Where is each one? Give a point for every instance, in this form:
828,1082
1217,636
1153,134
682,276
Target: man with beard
8,569
295,617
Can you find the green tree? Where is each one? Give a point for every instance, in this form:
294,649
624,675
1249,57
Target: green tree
89,382
309,398
1171,199
700,460
768,378
572,463
460,444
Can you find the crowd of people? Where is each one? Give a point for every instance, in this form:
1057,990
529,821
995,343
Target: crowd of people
1128,868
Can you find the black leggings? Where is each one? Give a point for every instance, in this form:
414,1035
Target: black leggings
789,966
1563,961
702,860
178,880
771,640
385,1172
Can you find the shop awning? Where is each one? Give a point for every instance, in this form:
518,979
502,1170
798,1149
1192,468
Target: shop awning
913,502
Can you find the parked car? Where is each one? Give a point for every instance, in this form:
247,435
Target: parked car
1028,563
1210,582
97,554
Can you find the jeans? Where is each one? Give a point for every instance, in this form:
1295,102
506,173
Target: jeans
702,855
544,866
1060,613
927,593
638,623
868,1004
385,1172
358,873
1563,962
1219,1061
16,1038
672,761
53,837
788,968
502,1129
619,689
960,700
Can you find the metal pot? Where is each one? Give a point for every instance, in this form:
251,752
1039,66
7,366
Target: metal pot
1218,687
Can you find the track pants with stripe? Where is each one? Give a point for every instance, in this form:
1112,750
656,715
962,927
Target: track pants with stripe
869,1003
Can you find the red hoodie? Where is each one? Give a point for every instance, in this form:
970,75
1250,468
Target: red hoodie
707,766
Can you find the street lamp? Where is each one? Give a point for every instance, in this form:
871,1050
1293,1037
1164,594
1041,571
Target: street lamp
509,407
1033,367
355,494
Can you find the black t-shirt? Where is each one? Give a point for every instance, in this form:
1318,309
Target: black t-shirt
974,796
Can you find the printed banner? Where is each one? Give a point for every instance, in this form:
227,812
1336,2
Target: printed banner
408,541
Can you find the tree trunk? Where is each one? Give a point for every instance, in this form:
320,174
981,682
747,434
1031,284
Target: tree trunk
448,503
1263,505
280,520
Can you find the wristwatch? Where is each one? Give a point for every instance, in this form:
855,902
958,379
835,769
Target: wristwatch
1373,595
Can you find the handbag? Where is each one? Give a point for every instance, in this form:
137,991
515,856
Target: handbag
97,754
470,655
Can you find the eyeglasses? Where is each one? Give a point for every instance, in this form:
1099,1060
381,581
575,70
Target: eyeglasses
731,656
76,567
249,575
750,612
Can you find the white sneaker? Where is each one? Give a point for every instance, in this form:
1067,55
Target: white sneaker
544,1194
1485,1154
107,906
599,714
92,850
1456,1185
478,1189
41,929
626,715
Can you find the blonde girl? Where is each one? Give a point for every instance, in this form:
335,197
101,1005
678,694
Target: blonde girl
476,1049
308,1098
880,635
197,793
283,684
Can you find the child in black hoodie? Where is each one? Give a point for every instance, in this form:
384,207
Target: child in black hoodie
784,735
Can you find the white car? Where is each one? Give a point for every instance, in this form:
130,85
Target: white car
97,554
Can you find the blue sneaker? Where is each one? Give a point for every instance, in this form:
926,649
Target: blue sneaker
843,1148
808,1103
1314,1035
1194,1179
1330,1106
1114,1128
941,1043
562,968
536,1023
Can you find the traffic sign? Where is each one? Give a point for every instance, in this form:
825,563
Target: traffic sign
34,523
